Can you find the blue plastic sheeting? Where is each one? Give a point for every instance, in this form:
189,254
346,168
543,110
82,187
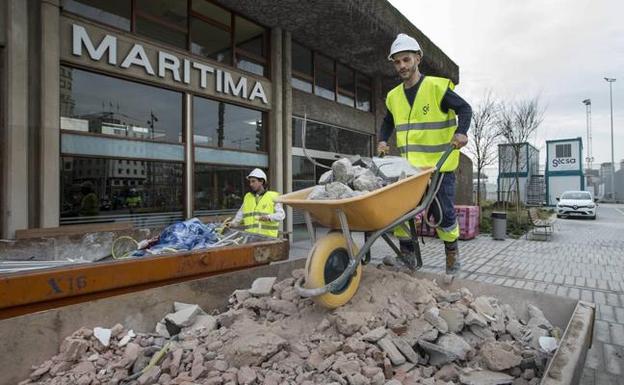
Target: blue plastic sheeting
188,235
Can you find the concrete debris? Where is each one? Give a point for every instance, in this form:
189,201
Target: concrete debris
103,335
342,171
184,317
485,377
338,190
473,318
500,356
432,315
262,286
454,319
347,180
391,350
393,168
375,334
397,329
326,177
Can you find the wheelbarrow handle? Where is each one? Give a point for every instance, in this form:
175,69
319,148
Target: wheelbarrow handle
445,155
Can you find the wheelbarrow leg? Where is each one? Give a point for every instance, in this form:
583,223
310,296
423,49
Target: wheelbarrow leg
415,245
367,256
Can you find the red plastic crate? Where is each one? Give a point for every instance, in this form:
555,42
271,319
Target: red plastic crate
467,218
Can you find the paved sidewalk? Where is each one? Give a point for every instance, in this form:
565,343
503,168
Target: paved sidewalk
584,260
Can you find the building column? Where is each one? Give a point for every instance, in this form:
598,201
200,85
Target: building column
287,124
15,120
50,138
275,116
189,158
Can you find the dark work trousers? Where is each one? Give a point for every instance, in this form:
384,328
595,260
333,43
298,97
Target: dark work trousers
446,197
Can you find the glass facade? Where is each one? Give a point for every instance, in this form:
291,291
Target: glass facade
199,26
315,73
104,190
99,104
219,124
324,137
123,142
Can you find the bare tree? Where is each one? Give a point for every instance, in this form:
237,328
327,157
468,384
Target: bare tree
484,134
517,122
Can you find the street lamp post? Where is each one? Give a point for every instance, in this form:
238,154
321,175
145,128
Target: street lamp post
610,81
589,158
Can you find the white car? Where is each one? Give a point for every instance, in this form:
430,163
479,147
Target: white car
576,203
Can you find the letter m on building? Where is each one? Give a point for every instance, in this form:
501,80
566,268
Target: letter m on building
81,38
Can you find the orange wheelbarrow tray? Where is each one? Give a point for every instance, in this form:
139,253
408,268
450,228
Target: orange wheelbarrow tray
374,213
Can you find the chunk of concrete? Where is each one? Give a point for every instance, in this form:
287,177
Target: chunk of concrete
318,193
391,350
406,350
366,181
473,318
326,177
454,344
391,168
185,317
342,170
437,354
338,190
432,315
262,287
485,377
500,356
454,319
375,334
349,322
255,349
483,306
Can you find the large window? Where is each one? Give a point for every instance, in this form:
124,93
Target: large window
206,29
117,13
109,190
315,73
101,104
219,189
223,125
324,137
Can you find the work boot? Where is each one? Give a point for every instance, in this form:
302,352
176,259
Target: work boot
451,249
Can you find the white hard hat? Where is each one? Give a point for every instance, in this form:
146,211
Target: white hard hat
258,174
403,43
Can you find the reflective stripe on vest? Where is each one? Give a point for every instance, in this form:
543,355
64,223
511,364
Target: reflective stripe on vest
253,209
423,130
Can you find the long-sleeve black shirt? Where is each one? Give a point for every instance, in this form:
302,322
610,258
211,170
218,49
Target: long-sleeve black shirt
450,101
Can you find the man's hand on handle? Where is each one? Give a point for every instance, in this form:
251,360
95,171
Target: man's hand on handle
459,141
382,148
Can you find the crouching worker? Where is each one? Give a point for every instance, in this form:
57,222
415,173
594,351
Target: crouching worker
259,213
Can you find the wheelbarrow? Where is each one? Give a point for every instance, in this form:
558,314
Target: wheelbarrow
333,268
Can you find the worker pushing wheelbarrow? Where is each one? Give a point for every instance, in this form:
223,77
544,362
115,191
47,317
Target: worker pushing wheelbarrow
333,268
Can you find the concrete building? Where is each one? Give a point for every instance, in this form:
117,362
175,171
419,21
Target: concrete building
606,187
564,168
178,100
526,169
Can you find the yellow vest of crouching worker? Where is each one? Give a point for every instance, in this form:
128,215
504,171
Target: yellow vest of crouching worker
423,131
253,209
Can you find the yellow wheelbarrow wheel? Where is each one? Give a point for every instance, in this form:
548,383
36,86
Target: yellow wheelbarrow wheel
326,262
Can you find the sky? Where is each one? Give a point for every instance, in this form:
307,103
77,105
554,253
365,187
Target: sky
557,50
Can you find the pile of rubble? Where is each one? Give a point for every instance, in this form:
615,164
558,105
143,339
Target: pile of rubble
396,330
351,177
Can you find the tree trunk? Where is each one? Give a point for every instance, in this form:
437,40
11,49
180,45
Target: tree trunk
478,186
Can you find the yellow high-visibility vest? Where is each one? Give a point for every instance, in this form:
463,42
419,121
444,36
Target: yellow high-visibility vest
423,130
253,209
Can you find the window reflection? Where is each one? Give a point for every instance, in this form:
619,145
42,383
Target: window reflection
225,125
116,13
219,188
107,190
324,137
164,20
105,105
